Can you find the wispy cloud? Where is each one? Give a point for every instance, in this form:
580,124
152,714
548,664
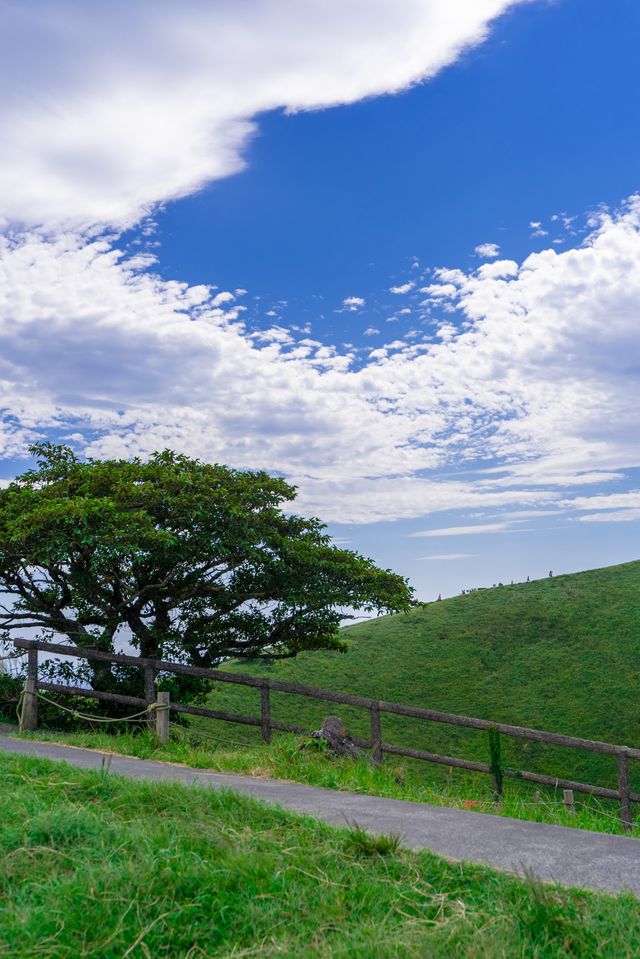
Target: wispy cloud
403,288
440,557
628,499
617,516
523,514
465,530
611,507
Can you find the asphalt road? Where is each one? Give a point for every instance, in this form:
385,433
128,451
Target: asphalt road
573,857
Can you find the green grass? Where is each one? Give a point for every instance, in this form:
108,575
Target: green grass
305,761
97,866
559,654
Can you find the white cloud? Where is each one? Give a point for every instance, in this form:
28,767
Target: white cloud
123,105
487,251
353,303
538,231
614,507
566,221
627,500
465,530
221,298
404,288
371,331
500,268
559,338
369,498
618,516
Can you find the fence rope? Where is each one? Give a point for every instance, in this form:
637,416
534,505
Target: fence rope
196,734
601,812
151,708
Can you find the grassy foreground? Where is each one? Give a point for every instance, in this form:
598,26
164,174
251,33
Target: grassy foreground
97,866
305,761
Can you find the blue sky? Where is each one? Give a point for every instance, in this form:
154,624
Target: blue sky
537,120
392,255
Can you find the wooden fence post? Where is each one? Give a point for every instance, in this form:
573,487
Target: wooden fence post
163,710
266,713
150,691
626,815
496,765
29,711
568,800
376,734
32,665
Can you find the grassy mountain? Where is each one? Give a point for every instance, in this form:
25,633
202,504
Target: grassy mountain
561,654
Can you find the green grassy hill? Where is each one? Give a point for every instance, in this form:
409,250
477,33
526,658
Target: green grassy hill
561,654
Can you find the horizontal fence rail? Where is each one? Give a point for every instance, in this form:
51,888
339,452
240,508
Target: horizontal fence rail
152,667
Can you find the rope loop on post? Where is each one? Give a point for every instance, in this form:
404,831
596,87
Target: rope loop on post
98,719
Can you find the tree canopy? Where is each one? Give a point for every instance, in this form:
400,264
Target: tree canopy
190,561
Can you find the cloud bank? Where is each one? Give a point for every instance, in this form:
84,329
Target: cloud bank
533,391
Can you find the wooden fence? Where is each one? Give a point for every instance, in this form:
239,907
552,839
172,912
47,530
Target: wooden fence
161,705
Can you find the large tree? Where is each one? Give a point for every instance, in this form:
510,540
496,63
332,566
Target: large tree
190,561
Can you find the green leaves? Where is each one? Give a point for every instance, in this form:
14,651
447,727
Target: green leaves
193,559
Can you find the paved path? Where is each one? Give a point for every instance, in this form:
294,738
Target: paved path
573,857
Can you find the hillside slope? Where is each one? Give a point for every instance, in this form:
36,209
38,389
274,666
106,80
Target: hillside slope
561,654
